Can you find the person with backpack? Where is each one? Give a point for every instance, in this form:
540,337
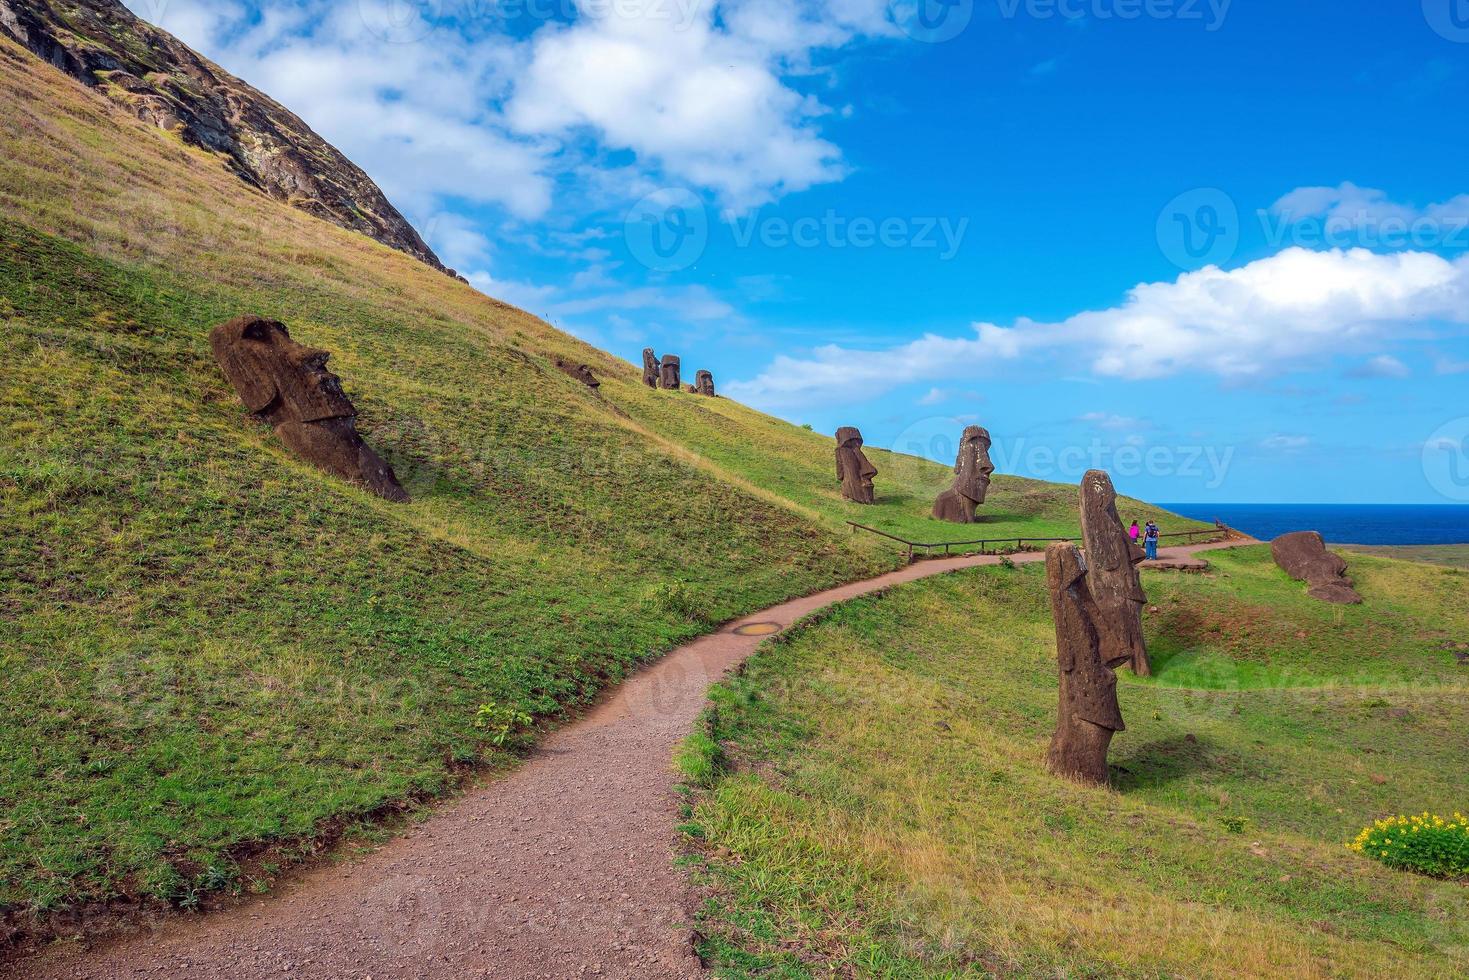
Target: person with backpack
1150,541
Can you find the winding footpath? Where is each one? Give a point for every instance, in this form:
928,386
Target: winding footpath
563,869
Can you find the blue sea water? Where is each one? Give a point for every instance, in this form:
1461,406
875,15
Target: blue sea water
1342,523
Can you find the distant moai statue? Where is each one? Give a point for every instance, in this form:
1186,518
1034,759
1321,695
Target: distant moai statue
704,383
287,386
1111,562
972,471
650,368
853,468
668,373
1087,713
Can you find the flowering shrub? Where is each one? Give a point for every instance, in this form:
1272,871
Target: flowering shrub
1426,844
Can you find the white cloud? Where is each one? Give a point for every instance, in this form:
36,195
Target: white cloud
1113,423
1295,308
1367,209
1382,366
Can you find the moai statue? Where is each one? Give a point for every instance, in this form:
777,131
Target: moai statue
704,383
853,469
287,386
668,373
580,372
650,368
1111,560
971,478
1087,714
1303,556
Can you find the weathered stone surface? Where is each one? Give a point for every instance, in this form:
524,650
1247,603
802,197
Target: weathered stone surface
160,80
704,383
972,471
1087,712
287,386
668,373
651,370
1112,560
853,468
1305,558
580,372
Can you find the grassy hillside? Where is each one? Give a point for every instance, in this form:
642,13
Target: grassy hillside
886,811
210,647
1456,555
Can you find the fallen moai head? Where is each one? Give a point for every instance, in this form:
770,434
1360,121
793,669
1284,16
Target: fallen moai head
1305,558
580,372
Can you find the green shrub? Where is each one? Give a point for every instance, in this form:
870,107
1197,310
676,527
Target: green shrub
1429,845
503,722
677,600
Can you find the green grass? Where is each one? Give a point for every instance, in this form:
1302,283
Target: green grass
885,810
213,651
1456,555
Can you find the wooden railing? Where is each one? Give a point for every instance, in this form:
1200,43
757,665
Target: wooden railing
1218,532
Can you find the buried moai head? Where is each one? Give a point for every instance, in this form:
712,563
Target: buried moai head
668,373
704,383
971,478
650,368
1111,560
287,386
580,372
1304,557
853,468
1087,711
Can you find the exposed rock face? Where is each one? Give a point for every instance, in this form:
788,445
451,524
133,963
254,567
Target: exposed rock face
287,386
1111,571
1304,557
668,376
853,468
651,370
102,45
972,472
704,383
1087,714
580,372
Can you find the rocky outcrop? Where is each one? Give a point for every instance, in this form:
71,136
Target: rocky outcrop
164,83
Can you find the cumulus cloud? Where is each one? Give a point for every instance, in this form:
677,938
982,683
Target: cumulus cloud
1295,308
1369,212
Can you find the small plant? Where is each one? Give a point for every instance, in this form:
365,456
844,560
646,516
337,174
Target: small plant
1429,845
677,600
808,427
1235,825
503,722
1007,562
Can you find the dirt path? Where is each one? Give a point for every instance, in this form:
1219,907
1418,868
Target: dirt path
562,869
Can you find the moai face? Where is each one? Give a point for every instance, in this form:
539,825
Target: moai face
650,368
704,383
669,373
287,385
853,467
973,468
1111,561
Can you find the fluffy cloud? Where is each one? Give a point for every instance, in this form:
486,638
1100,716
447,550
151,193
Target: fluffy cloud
1369,212
1293,309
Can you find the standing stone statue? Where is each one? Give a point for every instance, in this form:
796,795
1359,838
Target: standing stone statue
668,373
704,383
1111,560
287,386
971,478
1087,714
1304,557
650,368
853,469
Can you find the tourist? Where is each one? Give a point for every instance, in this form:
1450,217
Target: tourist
1150,541
1133,532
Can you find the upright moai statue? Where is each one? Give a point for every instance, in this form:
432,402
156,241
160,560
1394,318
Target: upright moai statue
668,373
704,383
972,471
287,386
853,468
650,368
1111,560
1087,713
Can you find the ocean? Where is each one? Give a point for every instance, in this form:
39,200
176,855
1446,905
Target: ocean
1342,523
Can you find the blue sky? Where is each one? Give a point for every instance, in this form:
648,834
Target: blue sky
1218,247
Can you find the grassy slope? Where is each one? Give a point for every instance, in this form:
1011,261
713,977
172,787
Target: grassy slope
1456,555
206,643
888,813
